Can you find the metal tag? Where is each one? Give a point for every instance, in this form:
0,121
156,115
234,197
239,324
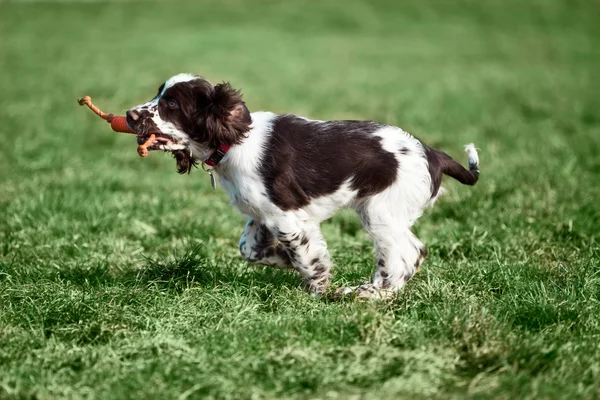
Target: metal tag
213,182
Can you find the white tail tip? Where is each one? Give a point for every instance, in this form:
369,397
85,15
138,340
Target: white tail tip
472,155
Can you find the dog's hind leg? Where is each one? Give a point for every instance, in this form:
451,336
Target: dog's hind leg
259,245
399,257
399,252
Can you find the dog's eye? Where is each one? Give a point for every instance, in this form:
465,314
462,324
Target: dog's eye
172,104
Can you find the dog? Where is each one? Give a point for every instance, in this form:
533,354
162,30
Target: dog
287,174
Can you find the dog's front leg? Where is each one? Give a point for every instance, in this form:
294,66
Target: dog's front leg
258,245
307,251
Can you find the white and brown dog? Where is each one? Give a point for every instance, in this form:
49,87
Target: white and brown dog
288,173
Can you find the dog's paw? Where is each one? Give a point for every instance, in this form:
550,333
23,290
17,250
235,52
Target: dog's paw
317,290
366,291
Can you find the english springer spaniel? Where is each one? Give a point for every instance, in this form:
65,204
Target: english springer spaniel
287,174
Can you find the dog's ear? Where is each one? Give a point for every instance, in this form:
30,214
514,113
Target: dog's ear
226,118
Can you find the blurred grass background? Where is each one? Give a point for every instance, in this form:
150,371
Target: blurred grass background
121,279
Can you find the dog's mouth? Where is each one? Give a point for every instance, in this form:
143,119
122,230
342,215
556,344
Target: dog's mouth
151,138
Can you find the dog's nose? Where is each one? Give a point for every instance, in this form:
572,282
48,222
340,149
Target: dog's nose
133,115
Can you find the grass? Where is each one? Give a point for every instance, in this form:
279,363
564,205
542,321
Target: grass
121,279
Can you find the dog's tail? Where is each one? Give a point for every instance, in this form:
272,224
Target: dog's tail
441,163
457,171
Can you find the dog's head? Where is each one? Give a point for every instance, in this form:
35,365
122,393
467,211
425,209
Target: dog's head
189,116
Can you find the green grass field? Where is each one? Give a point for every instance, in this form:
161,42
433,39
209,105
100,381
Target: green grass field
121,279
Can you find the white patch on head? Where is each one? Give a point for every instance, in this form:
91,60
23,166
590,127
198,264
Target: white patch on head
172,81
177,79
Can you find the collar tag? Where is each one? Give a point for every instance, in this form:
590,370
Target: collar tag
213,182
209,171
212,162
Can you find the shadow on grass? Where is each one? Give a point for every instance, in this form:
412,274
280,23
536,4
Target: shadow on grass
194,268
191,269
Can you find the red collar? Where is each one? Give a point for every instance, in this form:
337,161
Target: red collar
217,155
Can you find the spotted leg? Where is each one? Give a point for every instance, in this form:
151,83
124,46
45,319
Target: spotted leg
258,245
307,250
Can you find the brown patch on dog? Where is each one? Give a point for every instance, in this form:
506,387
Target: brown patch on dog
308,159
185,162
